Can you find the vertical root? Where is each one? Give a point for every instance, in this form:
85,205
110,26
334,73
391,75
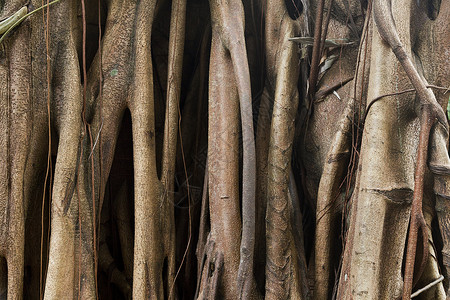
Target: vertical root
329,190
440,167
281,256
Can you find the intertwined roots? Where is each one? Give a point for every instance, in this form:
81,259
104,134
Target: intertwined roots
231,150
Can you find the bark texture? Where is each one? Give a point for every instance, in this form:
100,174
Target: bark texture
264,149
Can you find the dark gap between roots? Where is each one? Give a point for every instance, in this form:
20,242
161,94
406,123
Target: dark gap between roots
122,172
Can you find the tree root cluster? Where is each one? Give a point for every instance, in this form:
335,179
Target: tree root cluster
195,150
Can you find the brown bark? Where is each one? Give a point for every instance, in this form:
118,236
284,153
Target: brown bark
127,141
283,260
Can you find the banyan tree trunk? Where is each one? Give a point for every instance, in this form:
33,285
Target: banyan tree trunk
381,204
224,149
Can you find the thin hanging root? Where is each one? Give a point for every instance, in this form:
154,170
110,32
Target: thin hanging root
430,112
12,20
